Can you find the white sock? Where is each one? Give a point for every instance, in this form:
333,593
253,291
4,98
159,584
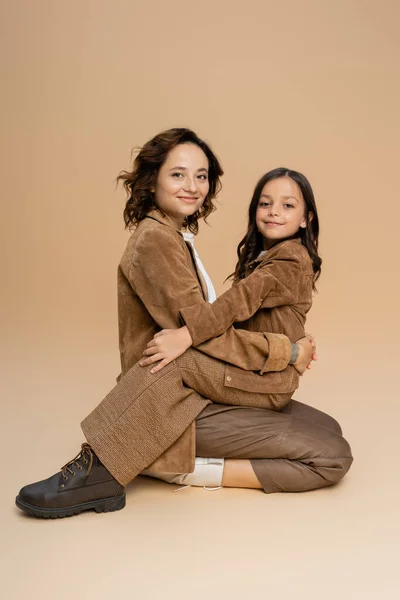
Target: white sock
207,472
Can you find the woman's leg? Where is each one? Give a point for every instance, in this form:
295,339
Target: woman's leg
286,452
141,418
311,415
240,473
289,450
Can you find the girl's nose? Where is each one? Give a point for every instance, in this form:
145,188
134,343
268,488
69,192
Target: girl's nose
274,211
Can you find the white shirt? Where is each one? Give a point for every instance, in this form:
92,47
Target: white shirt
189,237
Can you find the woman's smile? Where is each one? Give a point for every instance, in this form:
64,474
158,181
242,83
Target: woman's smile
189,199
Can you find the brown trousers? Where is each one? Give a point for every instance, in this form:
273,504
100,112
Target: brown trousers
295,449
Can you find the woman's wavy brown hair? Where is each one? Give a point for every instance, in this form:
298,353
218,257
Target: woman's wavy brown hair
139,182
252,243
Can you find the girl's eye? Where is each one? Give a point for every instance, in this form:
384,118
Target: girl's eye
177,175
288,205
263,204
203,177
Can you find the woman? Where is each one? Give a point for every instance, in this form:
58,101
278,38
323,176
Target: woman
173,182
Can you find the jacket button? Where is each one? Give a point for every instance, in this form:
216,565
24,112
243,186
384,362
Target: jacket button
228,378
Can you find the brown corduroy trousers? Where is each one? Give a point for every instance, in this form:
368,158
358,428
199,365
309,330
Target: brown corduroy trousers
294,449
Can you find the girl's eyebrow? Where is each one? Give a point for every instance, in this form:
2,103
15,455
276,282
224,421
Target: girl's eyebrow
185,169
284,197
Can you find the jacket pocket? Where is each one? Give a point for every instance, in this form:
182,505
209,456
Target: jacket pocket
276,382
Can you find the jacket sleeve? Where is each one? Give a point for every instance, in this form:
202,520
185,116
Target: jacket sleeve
275,283
161,276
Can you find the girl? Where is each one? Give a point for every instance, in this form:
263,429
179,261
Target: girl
156,417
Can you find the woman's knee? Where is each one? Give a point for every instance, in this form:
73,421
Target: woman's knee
341,460
313,415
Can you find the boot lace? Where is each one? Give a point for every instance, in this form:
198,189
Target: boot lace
85,456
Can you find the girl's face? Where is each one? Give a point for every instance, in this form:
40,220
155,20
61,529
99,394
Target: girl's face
182,182
281,210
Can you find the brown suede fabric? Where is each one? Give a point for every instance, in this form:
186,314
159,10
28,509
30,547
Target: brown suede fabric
157,276
275,296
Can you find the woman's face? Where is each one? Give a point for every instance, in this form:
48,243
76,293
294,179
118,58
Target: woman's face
281,210
182,182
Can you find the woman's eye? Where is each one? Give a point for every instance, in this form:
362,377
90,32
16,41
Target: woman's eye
263,204
288,205
177,175
203,177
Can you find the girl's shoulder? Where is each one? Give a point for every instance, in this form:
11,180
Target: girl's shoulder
292,250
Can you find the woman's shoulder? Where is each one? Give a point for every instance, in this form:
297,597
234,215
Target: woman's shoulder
152,236
149,231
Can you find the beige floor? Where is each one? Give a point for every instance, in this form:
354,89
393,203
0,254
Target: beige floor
338,542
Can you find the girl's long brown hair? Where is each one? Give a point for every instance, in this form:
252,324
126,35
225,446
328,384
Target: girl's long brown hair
252,243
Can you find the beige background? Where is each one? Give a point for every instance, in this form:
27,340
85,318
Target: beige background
312,85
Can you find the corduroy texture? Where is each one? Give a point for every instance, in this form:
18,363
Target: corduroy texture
294,450
277,288
146,413
140,419
212,379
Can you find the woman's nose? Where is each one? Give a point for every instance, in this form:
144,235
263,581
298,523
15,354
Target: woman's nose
190,184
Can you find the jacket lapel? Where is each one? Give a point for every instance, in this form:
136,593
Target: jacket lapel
165,220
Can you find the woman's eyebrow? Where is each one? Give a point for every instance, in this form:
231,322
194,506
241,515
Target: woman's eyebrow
185,169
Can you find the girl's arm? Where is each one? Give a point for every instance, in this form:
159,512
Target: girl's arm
276,283
160,274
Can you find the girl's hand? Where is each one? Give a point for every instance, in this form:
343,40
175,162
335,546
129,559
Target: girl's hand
307,353
165,346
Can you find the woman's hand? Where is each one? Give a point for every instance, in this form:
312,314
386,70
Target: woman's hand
307,353
165,346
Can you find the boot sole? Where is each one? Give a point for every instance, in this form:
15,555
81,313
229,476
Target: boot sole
100,506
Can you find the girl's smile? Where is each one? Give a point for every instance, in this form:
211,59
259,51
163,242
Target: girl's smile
281,210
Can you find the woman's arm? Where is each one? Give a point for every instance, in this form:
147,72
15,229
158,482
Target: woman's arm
161,276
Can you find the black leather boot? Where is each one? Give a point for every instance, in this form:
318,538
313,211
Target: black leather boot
82,484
